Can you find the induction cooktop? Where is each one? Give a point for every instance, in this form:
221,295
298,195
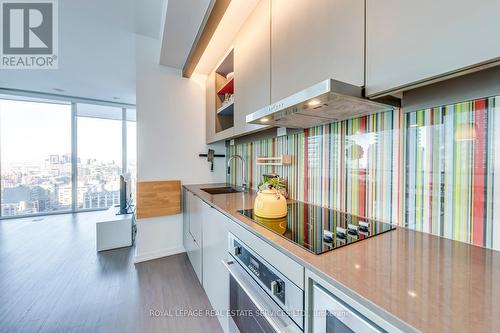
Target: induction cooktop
319,229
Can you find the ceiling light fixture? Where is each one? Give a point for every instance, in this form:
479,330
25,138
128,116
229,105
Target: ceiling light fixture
264,120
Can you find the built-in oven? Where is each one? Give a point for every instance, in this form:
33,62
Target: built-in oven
261,298
332,315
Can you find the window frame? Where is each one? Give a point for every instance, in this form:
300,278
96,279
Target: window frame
26,96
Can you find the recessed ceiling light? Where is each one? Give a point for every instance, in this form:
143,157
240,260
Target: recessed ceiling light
411,293
264,120
58,89
314,102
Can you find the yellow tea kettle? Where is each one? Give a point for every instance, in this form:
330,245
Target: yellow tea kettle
270,204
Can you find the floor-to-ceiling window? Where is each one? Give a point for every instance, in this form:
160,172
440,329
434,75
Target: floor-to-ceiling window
99,155
35,157
63,156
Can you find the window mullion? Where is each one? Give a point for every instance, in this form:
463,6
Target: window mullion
74,158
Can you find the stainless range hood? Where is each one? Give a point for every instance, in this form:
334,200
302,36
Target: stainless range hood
322,103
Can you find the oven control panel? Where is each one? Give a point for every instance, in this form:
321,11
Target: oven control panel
260,271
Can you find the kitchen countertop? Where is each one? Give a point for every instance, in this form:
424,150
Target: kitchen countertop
431,283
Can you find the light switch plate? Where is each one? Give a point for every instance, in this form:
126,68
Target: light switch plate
231,142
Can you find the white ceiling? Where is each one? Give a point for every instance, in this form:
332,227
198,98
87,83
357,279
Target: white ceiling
97,45
183,20
97,57
222,40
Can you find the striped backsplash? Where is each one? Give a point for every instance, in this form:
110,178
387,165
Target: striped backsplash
431,170
452,157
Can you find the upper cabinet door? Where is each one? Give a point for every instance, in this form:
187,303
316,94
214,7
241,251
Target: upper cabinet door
410,41
252,67
313,41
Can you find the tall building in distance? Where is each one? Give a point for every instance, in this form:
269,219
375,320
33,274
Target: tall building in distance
32,188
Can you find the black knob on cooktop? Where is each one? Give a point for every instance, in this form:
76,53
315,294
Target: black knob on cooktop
341,233
327,236
352,232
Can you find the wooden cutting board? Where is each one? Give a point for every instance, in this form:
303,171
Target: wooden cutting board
158,198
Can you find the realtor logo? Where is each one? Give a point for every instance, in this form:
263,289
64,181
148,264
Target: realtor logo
29,34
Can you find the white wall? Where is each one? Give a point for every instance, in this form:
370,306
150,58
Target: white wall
170,135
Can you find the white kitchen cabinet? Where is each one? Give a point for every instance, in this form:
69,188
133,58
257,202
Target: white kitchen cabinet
195,219
186,198
194,253
215,274
206,251
252,67
411,41
312,41
193,249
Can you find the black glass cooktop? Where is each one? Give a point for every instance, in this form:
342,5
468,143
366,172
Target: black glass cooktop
319,229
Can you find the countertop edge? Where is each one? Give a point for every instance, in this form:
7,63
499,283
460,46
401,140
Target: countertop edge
387,316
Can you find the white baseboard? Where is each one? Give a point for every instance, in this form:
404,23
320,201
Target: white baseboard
158,254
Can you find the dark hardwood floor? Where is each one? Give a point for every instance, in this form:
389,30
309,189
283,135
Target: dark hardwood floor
53,280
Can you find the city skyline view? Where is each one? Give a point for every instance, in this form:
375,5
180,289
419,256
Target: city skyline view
35,161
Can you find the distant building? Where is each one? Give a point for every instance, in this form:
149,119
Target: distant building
54,159
102,199
27,200
16,194
46,186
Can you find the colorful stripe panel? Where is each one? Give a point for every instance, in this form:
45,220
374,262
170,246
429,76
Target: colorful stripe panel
449,171
346,165
430,170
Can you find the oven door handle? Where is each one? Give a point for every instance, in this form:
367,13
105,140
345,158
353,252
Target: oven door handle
280,321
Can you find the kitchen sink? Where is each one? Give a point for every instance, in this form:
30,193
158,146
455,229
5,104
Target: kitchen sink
221,190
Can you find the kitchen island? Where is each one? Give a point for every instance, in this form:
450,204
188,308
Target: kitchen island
411,278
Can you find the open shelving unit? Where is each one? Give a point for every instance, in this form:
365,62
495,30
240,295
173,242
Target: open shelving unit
224,101
226,110
227,88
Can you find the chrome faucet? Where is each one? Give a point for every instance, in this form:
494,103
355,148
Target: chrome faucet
243,177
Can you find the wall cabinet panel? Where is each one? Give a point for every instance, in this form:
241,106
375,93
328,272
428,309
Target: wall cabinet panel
410,41
312,41
252,67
